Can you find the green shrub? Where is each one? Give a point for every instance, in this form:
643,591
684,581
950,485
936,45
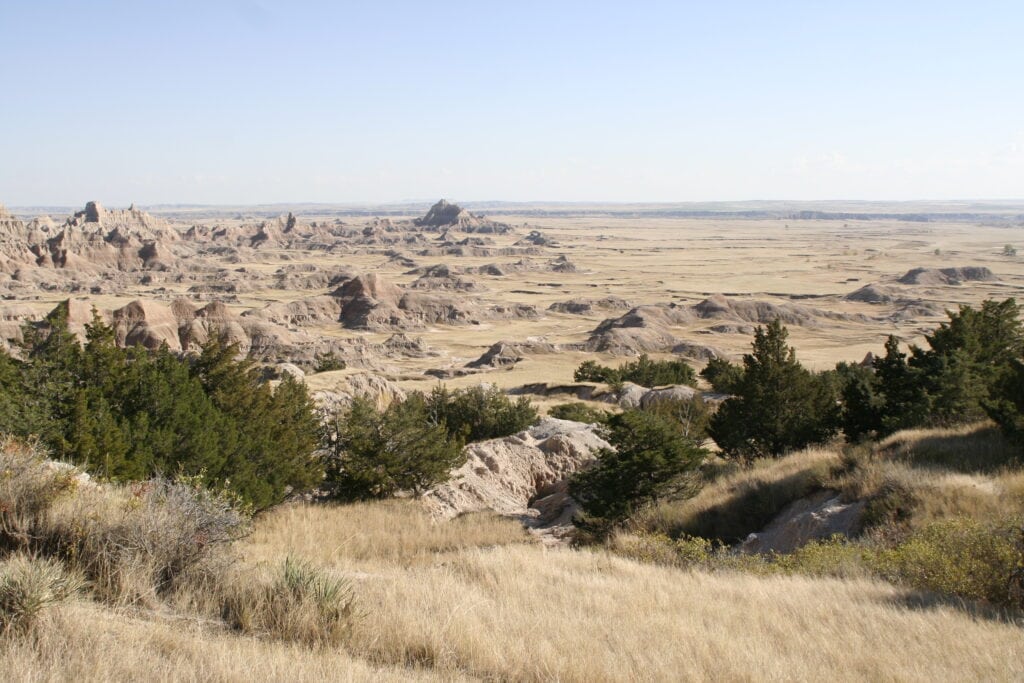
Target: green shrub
835,556
649,459
30,587
686,552
959,557
329,363
723,376
479,413
642,371
298,603
578,412
376,453
691,415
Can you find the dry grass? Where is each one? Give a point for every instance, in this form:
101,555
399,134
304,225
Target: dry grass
966,448
736,504
476,598
922,476
394,532
295,602
141,542
531,614
30,589
93,643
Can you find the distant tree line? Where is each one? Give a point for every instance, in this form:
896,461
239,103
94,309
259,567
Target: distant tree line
643,371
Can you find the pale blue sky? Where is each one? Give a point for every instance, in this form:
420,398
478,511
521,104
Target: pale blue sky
251,101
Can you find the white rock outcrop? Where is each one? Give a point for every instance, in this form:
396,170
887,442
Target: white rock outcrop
524,474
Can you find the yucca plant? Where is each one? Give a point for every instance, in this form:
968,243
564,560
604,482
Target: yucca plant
300,603
29,587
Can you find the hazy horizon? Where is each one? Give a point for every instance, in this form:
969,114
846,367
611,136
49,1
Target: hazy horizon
263,103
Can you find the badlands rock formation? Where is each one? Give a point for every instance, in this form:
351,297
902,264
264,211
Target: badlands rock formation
525,474
947,276
444,215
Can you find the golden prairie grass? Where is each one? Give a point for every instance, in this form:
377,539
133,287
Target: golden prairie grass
88,642
977,447
524,612
737,503
472,602
390,532
935,474
476,599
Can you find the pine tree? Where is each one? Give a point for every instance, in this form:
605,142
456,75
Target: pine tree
648,460
379,453
779,405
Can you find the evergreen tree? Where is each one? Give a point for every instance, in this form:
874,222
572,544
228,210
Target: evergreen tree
479,412
967,362
1006,406
863,405
643,371
648,460
724,377
380,453
778,406
966,357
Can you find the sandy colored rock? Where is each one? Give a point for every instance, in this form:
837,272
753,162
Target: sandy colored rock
506,475
818,516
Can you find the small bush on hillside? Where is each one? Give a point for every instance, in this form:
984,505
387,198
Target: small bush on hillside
649,459
299,603
479,412
958,557
723,376
29,486
329,363
578,412
377,454
642,371
140,542
691,415
29,588
685,552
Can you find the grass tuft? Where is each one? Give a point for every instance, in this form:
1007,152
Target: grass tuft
29,588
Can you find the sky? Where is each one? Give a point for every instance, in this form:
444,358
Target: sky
255,101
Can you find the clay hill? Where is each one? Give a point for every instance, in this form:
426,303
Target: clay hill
444,215
371,302
650,328
524,475
90,245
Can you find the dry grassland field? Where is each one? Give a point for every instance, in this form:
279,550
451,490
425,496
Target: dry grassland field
478,580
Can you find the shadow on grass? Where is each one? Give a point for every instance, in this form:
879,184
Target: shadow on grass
924,601
984,450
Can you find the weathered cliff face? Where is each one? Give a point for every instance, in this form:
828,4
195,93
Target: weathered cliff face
525,474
